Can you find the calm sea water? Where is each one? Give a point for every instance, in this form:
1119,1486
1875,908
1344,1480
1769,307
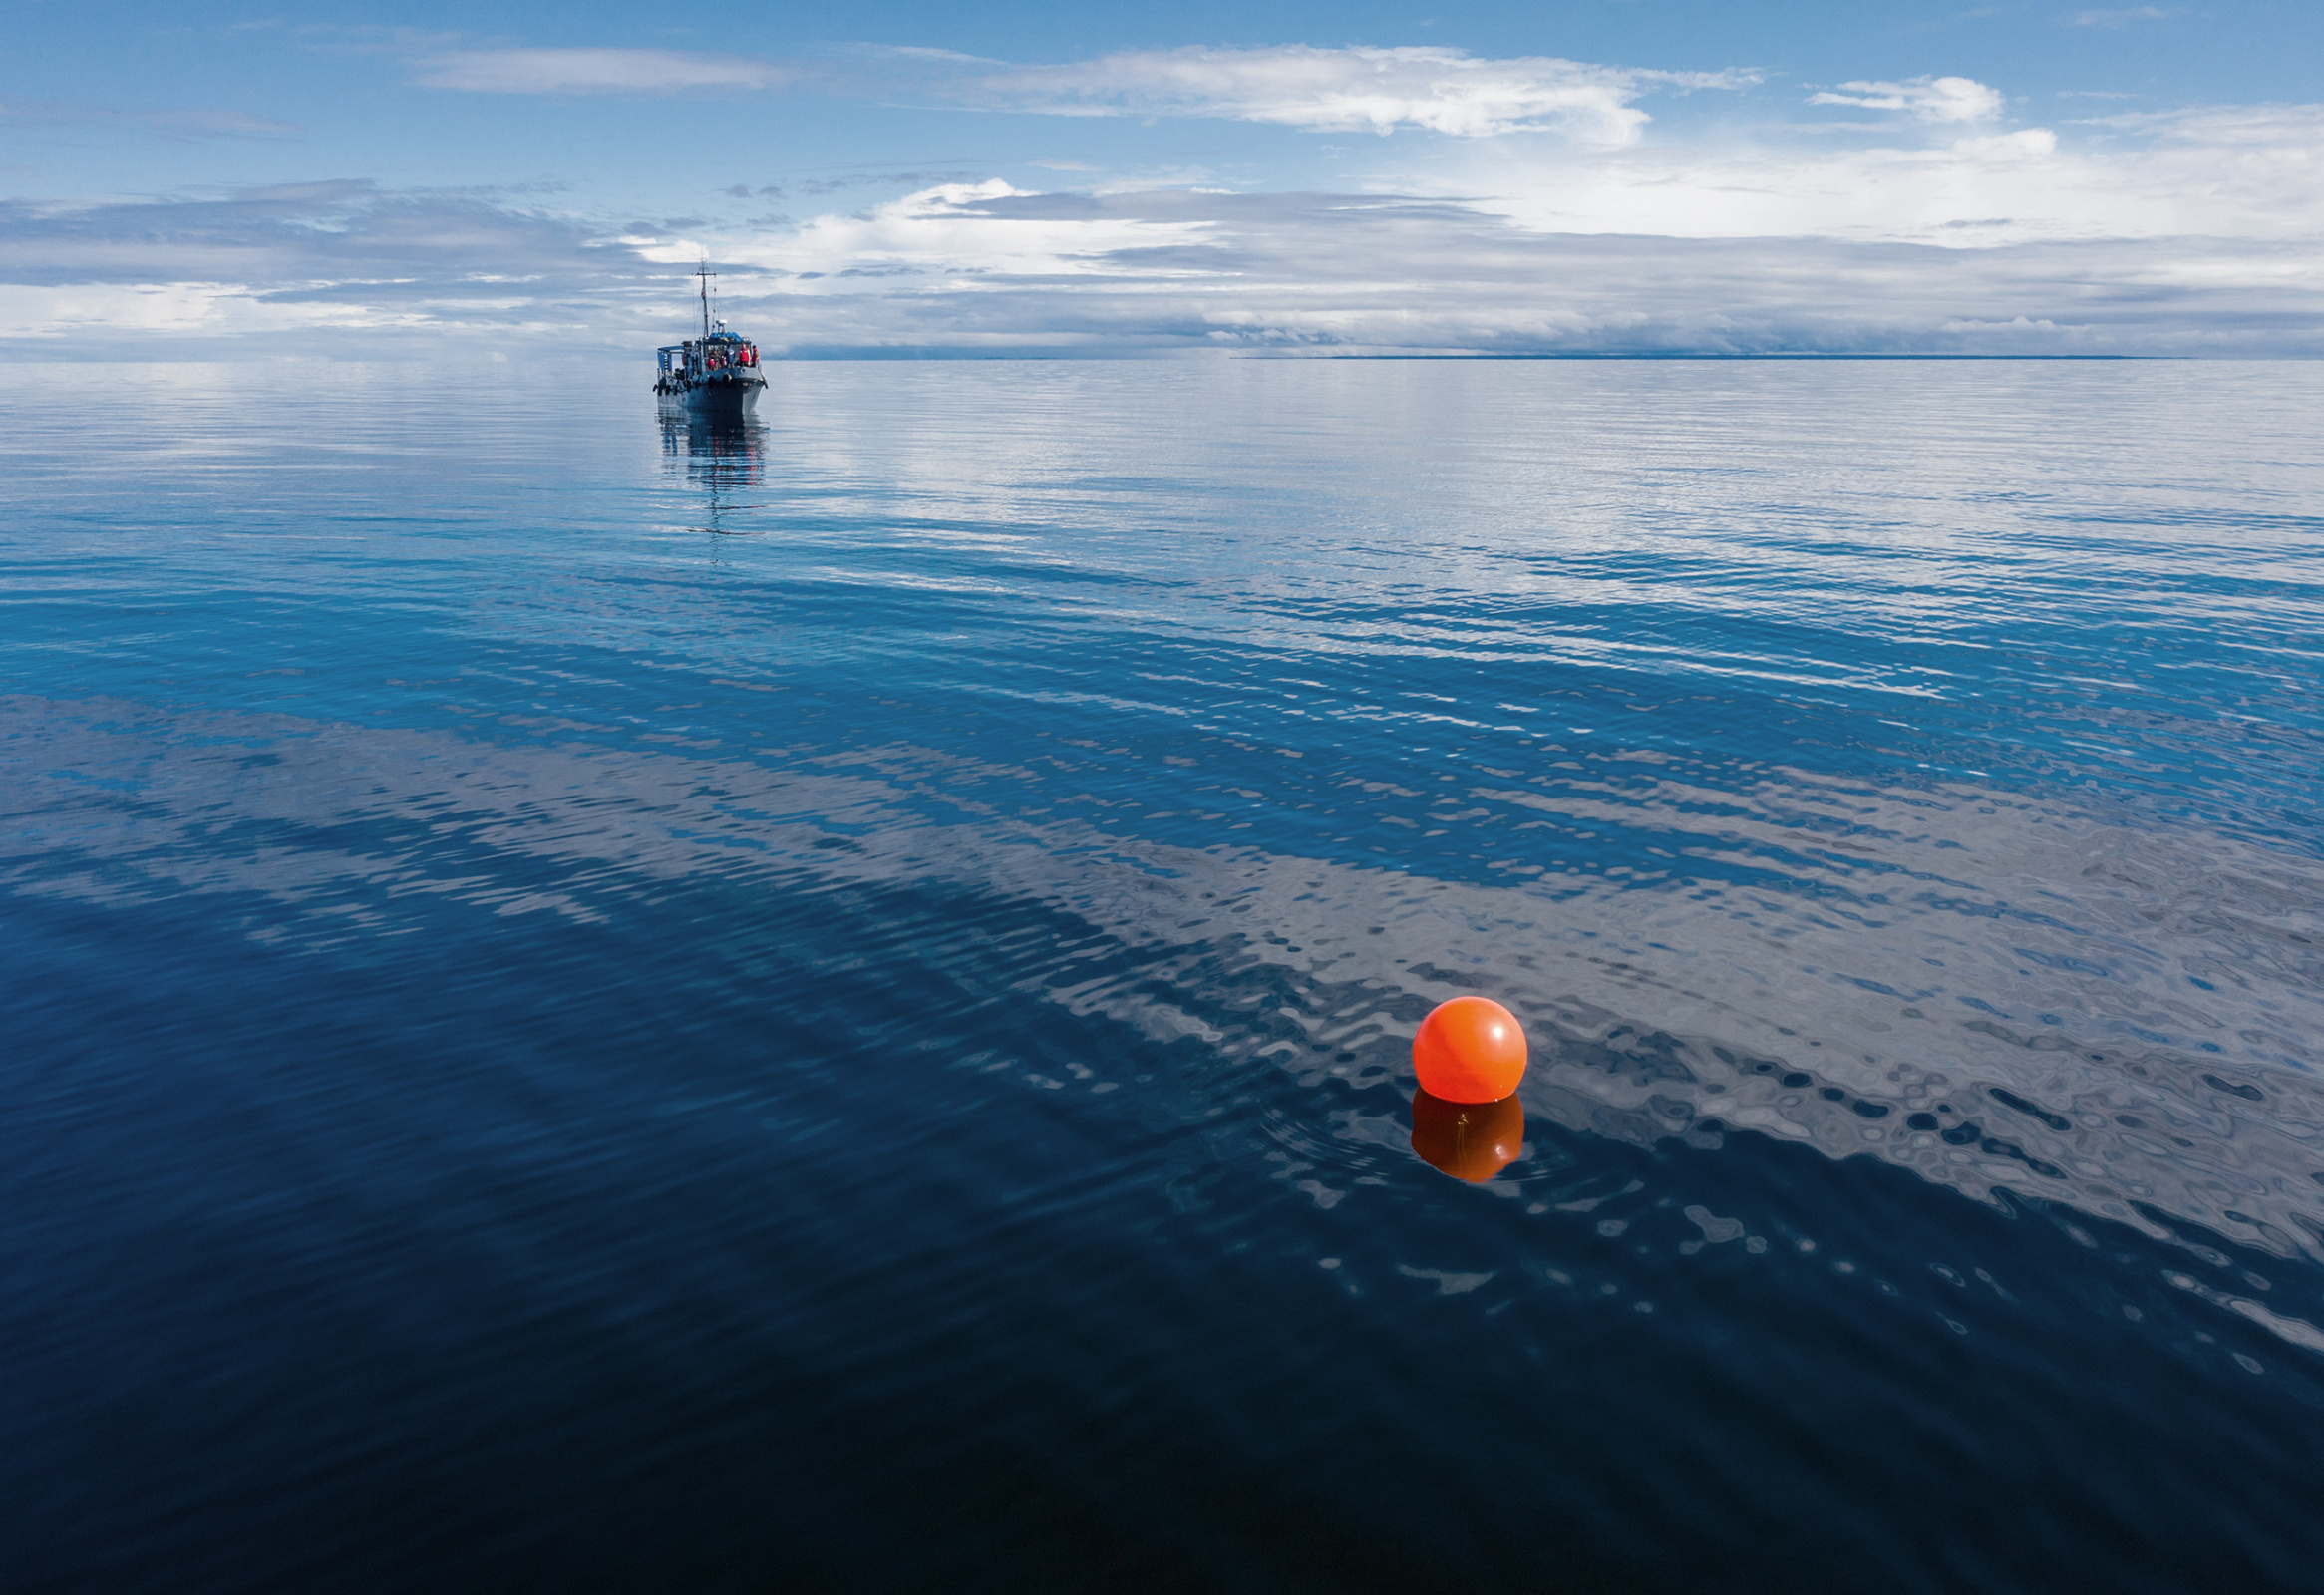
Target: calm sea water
591,1004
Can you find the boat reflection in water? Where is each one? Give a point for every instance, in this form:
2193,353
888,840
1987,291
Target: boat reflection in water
1468,1140
726,459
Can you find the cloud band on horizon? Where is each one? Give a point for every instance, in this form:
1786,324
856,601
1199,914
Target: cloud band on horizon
985,269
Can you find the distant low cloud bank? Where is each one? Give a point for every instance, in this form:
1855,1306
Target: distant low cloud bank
989,269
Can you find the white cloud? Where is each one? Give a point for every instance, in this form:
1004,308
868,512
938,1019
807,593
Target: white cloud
1352,88
599,72
1355,89
205,124
956,232
2241,171
194,122
2120,18
1929,98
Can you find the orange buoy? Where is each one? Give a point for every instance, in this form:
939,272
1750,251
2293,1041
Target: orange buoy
1468,1140
1471,1050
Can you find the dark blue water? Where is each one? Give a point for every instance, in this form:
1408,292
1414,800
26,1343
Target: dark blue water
590,1006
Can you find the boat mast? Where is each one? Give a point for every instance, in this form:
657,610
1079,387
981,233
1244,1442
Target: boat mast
705,273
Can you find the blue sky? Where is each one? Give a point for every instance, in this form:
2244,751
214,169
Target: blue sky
1606,177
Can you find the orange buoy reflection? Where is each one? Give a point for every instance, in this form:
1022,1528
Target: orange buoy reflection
1468,1140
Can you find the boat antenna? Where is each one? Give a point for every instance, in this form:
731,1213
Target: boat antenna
706,274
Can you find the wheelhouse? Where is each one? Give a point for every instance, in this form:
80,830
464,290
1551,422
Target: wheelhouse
699,358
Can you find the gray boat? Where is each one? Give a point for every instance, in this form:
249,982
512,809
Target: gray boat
715,376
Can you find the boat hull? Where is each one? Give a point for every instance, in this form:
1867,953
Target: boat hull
721,400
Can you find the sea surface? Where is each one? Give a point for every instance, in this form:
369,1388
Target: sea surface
594,1004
